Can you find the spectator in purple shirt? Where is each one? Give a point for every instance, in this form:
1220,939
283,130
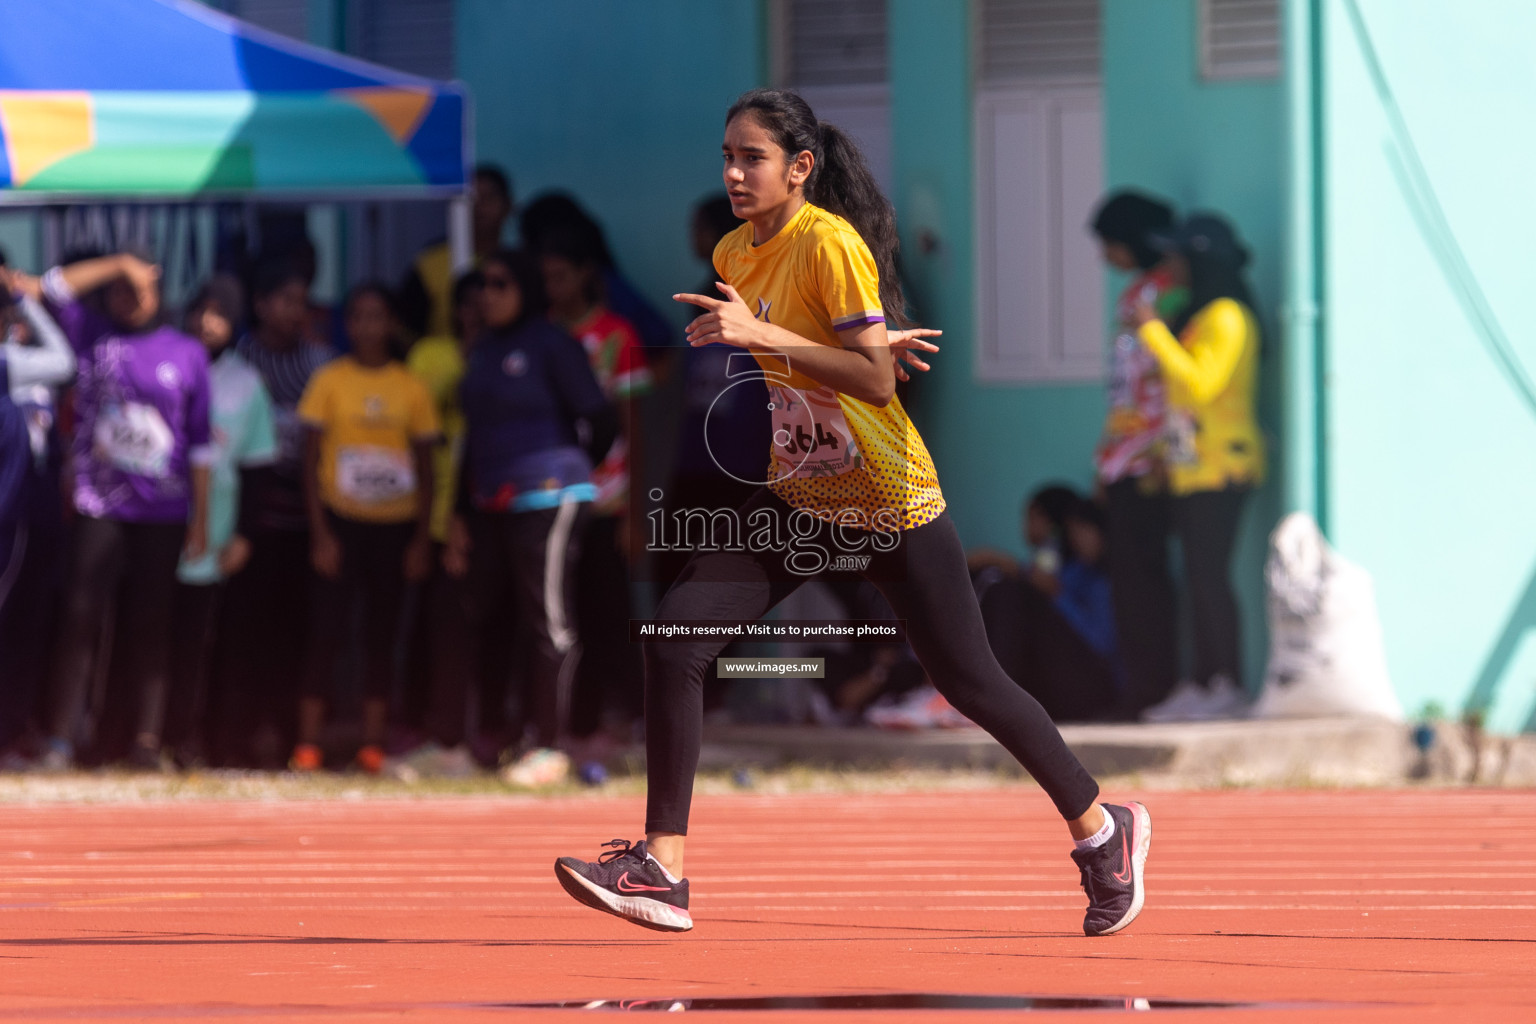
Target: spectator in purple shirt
139,478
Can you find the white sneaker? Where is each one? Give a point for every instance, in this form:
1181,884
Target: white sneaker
1222,699
538,768
1175,707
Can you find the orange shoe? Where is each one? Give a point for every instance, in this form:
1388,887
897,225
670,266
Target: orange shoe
306,758
371,759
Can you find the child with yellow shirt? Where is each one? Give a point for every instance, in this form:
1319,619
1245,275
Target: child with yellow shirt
368,486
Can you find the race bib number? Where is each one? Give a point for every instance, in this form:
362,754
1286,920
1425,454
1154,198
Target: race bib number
374,476
811,437
134,438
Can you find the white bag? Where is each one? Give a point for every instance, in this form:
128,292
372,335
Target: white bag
1326,654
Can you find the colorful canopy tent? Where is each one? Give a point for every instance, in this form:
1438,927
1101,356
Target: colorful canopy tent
168,99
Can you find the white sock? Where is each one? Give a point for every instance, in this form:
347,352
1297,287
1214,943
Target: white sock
664,871
1102,836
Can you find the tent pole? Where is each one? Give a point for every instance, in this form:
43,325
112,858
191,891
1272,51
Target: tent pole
461,246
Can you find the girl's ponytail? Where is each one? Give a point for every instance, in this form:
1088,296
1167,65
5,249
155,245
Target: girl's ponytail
844,185
840,182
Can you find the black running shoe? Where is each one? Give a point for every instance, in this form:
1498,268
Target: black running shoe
1112,873
626,883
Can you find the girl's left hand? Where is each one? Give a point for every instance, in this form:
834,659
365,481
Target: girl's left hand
906,344
727,320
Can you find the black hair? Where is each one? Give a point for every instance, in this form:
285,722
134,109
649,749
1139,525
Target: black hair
716,214
1215,270
580,244
496,176
378,289
467,283
840,181
554,210
1130,218
223,291
1056,502
1084,510
525,271
396,345
272,275
1088,511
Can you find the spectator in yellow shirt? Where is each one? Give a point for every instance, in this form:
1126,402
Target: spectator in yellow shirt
1209,354
439,361
371,427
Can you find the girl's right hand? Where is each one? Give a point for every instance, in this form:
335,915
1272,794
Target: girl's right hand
906,344
325,554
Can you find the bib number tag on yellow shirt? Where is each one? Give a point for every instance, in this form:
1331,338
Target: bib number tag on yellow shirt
374,476
811,436
1181,438
134,438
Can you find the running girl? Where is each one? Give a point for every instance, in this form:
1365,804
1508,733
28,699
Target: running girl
807,285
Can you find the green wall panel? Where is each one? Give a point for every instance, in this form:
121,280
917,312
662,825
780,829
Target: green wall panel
1429,349
620,103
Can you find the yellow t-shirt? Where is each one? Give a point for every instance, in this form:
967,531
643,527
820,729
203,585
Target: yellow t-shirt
439,363
368,418
836,456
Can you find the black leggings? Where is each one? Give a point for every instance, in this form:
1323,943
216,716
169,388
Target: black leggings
197,620
1206,523
926,582
373,575
1141,587
533,554
139,558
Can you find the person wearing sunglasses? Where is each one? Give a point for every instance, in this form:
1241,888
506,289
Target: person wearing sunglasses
536,423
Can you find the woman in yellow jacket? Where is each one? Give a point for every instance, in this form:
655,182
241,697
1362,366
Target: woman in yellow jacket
1209,355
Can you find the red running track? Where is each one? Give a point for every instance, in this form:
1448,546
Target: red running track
1383,906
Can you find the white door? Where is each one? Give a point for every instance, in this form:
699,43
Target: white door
1039,174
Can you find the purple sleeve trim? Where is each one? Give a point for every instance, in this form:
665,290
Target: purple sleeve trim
859,321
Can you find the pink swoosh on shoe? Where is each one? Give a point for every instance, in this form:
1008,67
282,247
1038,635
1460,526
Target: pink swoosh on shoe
625,885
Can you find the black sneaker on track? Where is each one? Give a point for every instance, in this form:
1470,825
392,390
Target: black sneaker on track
1112,873
628,884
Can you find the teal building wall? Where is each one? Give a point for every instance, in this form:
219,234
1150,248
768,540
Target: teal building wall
620,103
1428,345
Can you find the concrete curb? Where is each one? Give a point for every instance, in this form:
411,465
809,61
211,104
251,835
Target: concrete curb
1268,753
